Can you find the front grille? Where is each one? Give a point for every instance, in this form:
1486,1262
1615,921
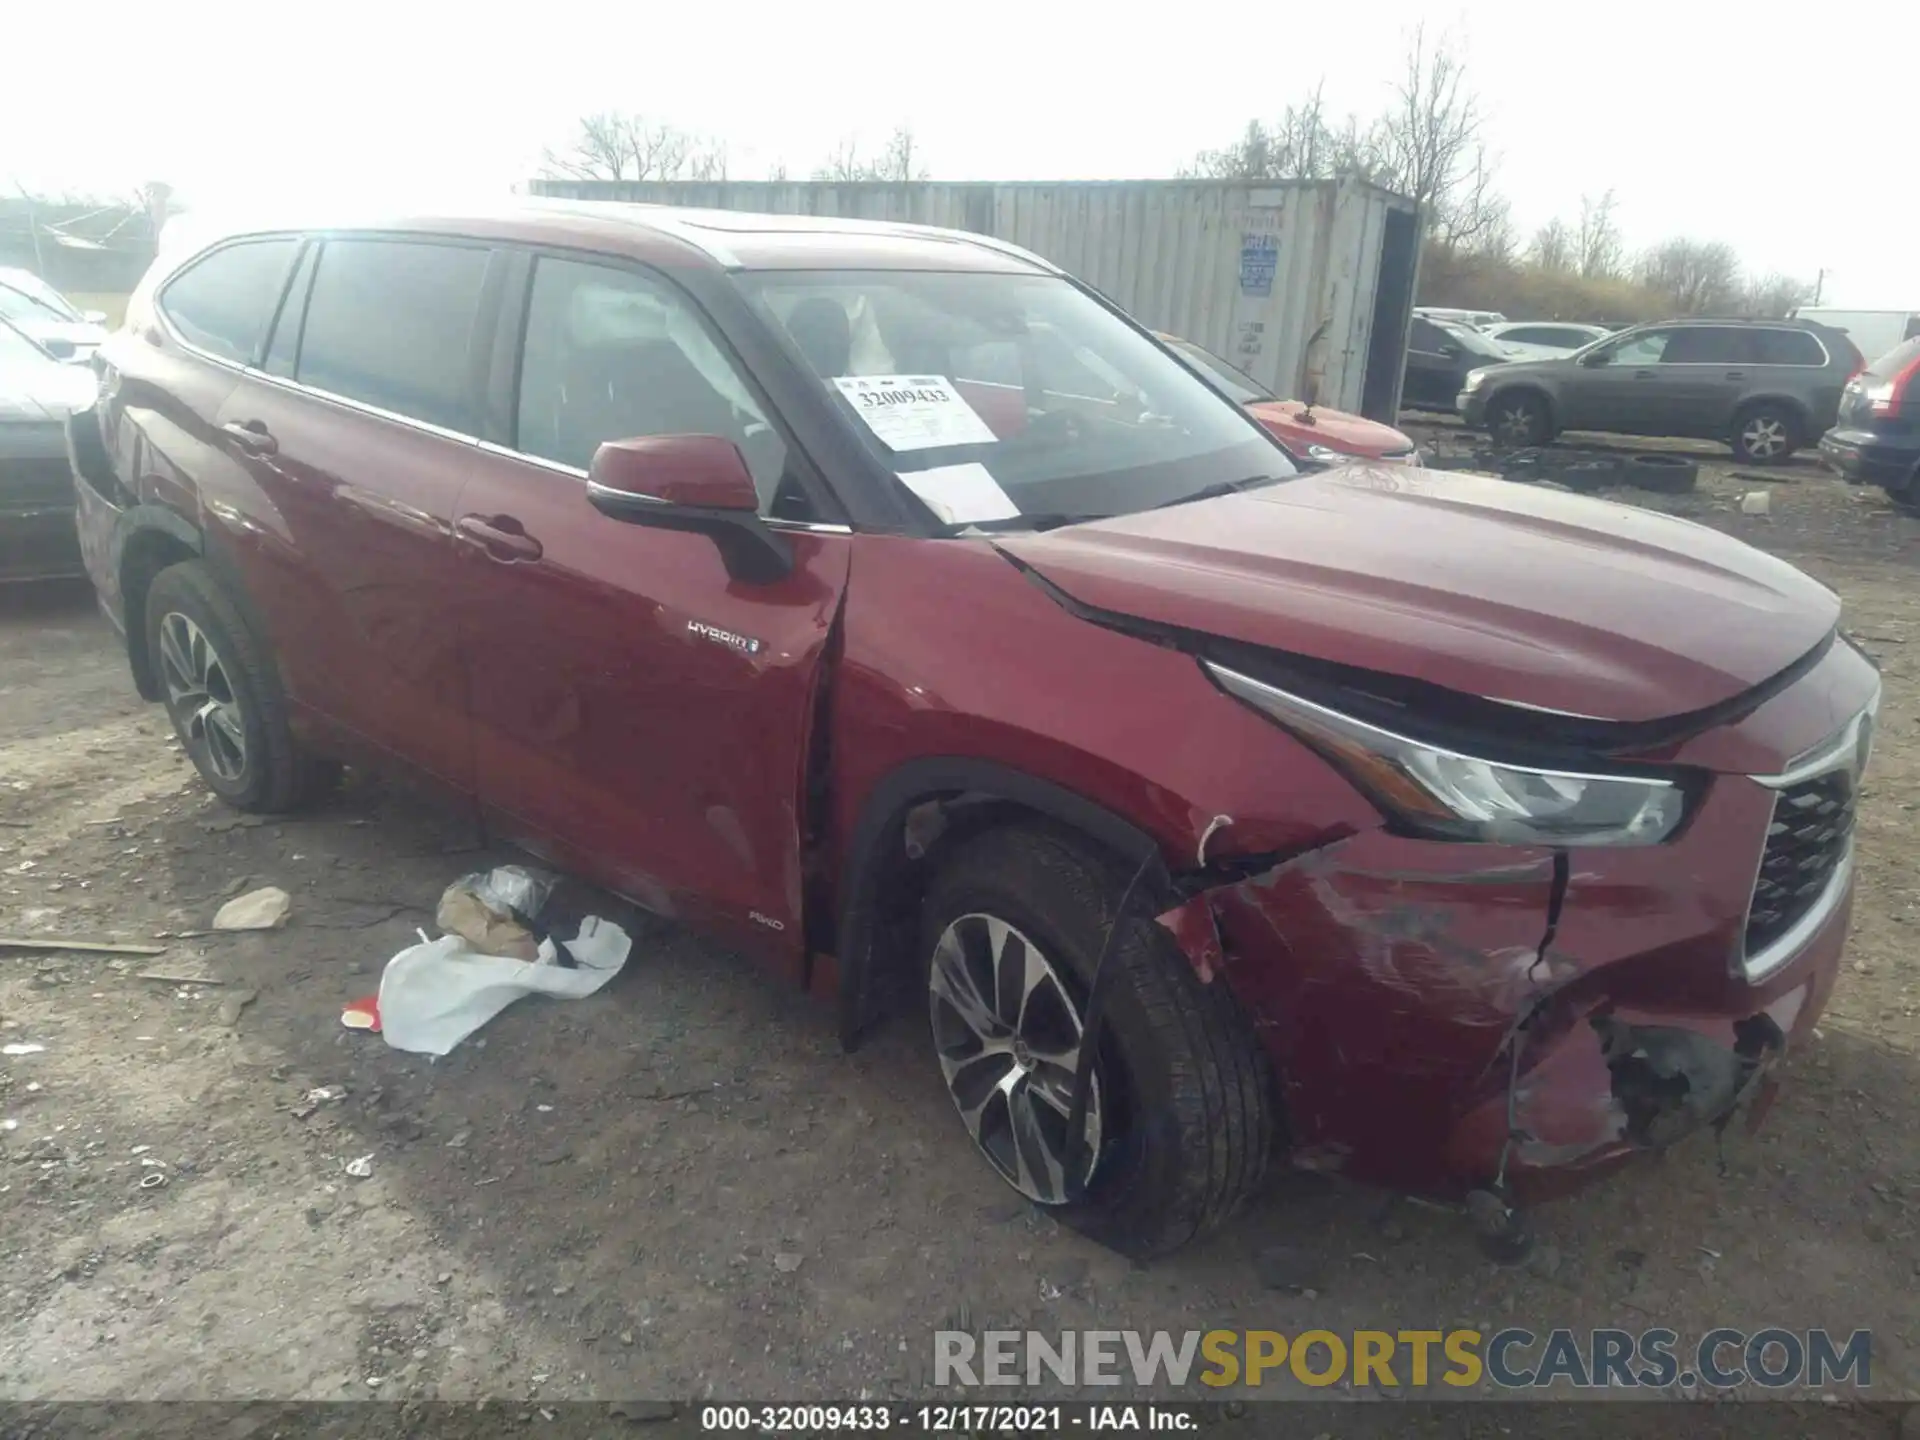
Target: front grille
1806,842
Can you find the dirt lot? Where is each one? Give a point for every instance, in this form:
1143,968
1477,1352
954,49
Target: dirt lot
681,1187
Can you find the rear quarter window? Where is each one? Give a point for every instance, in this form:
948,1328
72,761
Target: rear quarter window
221,303
1789,347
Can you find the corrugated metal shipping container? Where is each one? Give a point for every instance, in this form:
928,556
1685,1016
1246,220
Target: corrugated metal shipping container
1250,271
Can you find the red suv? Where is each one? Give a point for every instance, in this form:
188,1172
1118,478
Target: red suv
887,603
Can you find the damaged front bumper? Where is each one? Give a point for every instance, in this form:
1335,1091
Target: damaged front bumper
1449,1016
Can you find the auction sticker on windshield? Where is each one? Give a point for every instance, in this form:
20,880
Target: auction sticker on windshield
914,412
961,494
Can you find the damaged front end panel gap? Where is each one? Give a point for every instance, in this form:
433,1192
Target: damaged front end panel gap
1503,1230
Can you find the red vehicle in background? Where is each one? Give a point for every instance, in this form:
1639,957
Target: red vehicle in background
890,605
1309,432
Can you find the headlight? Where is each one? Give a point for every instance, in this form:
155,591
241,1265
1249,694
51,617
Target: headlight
1446,795
1475,379
1326,455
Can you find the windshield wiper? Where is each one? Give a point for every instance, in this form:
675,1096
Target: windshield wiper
1222,487
1041,520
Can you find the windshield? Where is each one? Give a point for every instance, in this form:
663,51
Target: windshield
997,396
17,352
17,304
1234,383
1471,340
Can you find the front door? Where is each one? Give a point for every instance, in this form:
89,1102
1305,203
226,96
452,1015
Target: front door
1433,367
638,712
1620,388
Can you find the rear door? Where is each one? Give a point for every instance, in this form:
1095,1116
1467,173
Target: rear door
639,713
1705,372
357,430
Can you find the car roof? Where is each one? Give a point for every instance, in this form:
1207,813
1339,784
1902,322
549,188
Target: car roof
672,235
1688,321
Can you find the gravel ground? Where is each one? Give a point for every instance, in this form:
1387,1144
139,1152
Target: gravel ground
681,1188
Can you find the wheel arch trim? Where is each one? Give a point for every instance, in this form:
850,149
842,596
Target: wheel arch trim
883,815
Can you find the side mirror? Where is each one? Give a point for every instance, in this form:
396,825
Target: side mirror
690,482
1599,357
1450,350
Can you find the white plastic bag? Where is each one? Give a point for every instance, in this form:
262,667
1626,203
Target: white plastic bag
433,995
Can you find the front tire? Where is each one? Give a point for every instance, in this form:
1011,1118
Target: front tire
223,695
1765,434
1519,421
1180,1113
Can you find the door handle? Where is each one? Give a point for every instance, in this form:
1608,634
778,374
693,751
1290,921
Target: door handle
501,536
1643,374
251,436
1736,374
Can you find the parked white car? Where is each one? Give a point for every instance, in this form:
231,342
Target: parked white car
1543,339
1473,319
47,318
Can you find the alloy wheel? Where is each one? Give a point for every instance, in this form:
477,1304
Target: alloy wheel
202,698
1008,1035
1764,437
1514,424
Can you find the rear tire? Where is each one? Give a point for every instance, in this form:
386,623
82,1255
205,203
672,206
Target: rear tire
1184,1094
1519,420
223,694
1765,434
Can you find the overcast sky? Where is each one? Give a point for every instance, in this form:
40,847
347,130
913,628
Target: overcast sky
1787,131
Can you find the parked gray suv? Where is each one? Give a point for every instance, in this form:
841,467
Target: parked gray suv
1764,387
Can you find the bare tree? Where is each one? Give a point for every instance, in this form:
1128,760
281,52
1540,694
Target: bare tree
1692,276
1553,249
1249,158
1477,219
777,172
1427,141
1300,145
898,162
614,146
843,164
1774,296
1597,248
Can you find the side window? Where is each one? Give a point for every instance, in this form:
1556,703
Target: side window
1426,336
1705,345
1528,335
1789,347
389,323
1647,348
222,303
1572,339
611,354
284,347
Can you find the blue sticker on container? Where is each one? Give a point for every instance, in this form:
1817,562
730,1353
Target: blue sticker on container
1259,258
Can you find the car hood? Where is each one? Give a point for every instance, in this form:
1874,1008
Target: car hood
44,391
82,335
1532,597
1337,430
